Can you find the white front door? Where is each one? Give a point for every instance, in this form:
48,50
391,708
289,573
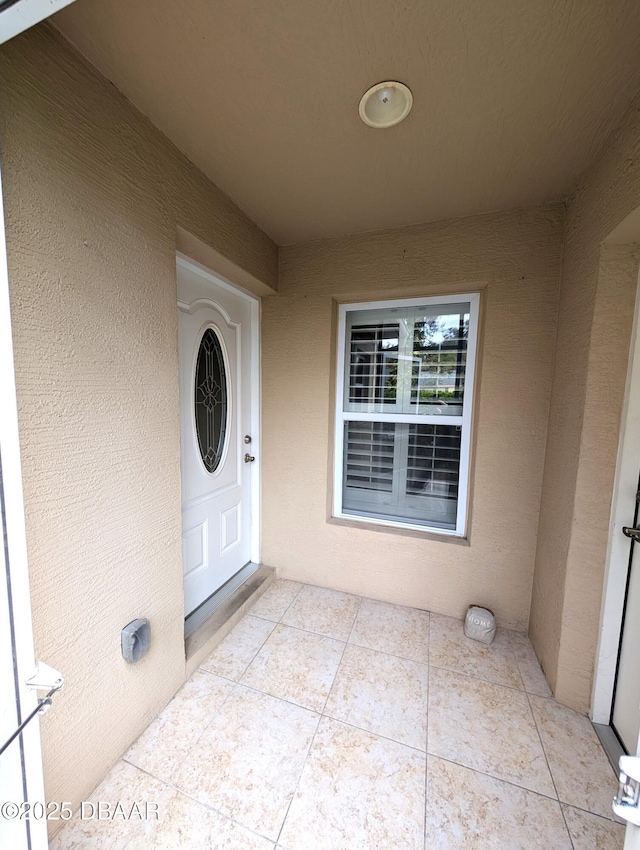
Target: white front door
625,717
218,385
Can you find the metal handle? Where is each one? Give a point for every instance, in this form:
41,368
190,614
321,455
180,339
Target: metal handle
250,458
631,532
44,679
626,804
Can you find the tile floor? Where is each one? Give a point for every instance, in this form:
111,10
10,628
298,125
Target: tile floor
329,722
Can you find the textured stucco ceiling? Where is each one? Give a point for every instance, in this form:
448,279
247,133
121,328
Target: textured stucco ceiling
512,99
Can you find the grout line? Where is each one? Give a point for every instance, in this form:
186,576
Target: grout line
211,808
526,689
322,714
298,592
280,699
259,650
253,657
426,755
424,808
416,750
479,679
219,675
515,658
426,737
344,649
497,778
546,758
308,632
304,764
390,654
171,782
193,746
544,751
266,619
593,814
71,825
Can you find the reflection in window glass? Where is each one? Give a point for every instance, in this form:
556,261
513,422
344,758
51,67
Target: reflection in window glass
439,359
373,372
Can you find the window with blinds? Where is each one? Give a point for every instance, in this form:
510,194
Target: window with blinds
404,411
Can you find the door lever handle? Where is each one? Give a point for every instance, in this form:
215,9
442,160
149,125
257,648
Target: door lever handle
633,533
626,803
250,458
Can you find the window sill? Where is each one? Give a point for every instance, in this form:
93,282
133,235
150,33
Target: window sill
386,527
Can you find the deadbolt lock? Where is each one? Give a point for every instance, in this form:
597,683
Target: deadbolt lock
247,439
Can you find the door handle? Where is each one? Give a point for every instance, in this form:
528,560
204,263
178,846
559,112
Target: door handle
626,804
250,458
628,531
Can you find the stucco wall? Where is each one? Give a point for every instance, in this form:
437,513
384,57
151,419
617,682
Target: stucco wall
514,260
94,195
595,304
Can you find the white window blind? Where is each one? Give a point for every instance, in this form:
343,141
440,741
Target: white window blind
404,411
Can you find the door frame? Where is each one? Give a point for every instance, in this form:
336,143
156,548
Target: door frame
25,14
24,778
618,546
255,303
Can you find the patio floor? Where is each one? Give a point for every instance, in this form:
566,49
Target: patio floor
326,721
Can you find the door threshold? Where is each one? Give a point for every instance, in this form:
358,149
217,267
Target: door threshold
229,610
210,606
611,744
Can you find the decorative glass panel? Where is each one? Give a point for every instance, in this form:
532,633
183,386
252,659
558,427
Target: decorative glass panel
210,400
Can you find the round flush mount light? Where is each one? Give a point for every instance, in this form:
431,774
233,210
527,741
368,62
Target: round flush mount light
385,104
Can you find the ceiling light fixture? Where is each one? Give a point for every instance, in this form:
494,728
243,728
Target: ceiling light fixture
385,104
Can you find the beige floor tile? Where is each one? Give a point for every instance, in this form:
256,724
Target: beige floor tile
248,760
357,791
393,629
234,654
163,746
325,612
188,825
382,694
451,649
125,784
275,601
532,676
468,810
591,832
297,666
486,727
581,770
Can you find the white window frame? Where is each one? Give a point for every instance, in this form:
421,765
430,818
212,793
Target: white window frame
464,420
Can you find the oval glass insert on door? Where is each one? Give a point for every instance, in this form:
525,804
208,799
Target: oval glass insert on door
210,400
